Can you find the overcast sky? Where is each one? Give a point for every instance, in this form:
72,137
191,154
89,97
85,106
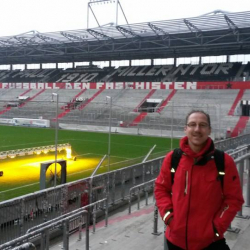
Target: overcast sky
20,16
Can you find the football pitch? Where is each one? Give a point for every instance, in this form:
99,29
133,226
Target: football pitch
21,174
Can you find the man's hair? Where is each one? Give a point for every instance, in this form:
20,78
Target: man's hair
199,111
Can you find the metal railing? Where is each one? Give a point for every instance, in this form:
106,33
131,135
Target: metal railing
233,143
26,246
142,187
22,213
243,165
45,230
69,214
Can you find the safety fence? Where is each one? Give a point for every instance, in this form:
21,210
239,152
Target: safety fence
122,114
26,246
20,214
137,190
233,143
44,231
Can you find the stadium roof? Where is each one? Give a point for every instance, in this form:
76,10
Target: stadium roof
208,35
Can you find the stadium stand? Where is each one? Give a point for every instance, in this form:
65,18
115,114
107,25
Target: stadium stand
236,101
183,72
28,75
126,103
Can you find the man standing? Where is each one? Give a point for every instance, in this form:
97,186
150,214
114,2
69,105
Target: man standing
196,208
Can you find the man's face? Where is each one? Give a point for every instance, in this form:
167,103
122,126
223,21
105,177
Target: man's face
197,130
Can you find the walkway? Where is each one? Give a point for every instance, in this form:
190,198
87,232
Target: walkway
134,232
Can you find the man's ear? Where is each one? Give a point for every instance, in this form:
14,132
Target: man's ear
210,130
185,128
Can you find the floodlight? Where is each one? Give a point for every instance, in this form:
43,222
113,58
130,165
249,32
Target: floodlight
12,154
21,153
68,152
3,155
45,151
36,150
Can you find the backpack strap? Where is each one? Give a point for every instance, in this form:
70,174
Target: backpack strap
220,164
218,158
176,156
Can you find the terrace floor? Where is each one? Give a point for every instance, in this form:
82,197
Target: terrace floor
134,231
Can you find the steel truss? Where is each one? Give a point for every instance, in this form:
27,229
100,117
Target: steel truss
208,35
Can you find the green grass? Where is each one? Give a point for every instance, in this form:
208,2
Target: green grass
125,150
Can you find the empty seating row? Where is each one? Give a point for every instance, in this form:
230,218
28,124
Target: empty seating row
154,73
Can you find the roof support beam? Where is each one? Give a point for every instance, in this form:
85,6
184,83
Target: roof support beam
231,25
192,28
73,37
126,31
164,35
155,29
98,35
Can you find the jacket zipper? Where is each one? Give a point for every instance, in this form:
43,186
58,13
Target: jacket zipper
223,211
186,183
190,189
189,197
